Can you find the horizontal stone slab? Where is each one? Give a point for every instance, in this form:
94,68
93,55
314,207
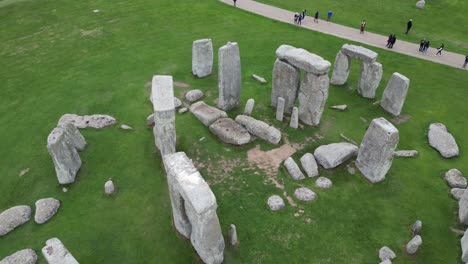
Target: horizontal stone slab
307,61
207,114
358,52
229,131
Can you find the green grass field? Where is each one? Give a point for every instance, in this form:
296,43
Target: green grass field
60,57
441,21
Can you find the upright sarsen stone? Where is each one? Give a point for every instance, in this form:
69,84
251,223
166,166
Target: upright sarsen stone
280,109
375,154
64,154
229,76
341,69
202,57
285,84
164,114
313,95
371,74
395,94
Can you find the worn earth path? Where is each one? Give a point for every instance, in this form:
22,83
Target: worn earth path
448,58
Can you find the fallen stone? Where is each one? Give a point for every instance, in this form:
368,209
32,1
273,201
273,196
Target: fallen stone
260,129
280,109
420,4
249,107
455,179
56,253
313,95
309,62
341,69
323,182
206,114
406,153
281,51
229,131
126,127
464,246
293,169
232,235
94,121
258,78
416,227
276,203
73,136
285,84
14,217
64,154
457,193
309,165
395,93
442,140
339,107
386,253
46,209
229,76
304,194
359,52
202,57
109,187
294,123
182,110
413,245
332,155
25,256
150,120
194,95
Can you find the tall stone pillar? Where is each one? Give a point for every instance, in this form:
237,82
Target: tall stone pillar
394,94
313,95
164,131
229,76
341,69
285,84
371,74
202,57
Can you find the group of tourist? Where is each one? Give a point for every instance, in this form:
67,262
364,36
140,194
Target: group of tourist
424,46
391,41
299,17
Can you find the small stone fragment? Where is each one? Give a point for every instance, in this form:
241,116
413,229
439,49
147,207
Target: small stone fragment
14,217
46,209
406,153
276,203
64,189
420,4
455,179
260,79
126,127
416,227
323,182
413,245
232,235
150,120
305,194
109,187
182,110
309,165
280,109
194,95
339,107
386,253
294,123
25,256
23,172
177,102
293,169
249,107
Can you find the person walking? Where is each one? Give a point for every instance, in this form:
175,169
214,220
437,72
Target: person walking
426,47
316,16
440,49
303,14
389,40
299,19
234,2
392,41
466,61
329,15
363,26
421,45
409,25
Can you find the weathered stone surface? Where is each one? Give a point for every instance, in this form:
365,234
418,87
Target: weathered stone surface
64,154
387,261
457,193
375,155
45,209
258,78
73,136
294,123
464,246
406,153
229,131
276,203
249,107
202,57
293,169
309,165
339,107
463,209
56,253
416,227
394,94
341,69
93,121
229,76
304,194
281,51
25,256
109,187
371,75
386,253
126,127
194,95
285,84
323,182
164,129
413,245
182,110
442,140
455,179
194,207
358,52
332,155
309,62
232,235
313,95
177,102
150,120
206,114
420,4
260,129
280,109
14,217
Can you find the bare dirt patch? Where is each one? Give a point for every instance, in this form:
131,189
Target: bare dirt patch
91,33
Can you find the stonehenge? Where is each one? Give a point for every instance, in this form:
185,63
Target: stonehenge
164,130
194,207
202,57
229,76
394,94
311,92
375,154
56,253
371,71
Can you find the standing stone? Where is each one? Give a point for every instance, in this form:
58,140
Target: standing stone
464,246
416,227
25,256
442,140
463,208
375,154
275,203
371,74
294,123
249,107
341,69
56,253
229,76
73,136
285,84
280,109
293,169
202,57
46,209
232,235
309,165
394,94
14,217
413,244
109,187
164,114
65,156
313,95
386,253
260,129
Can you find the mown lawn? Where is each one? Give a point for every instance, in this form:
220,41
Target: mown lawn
60,57
441,21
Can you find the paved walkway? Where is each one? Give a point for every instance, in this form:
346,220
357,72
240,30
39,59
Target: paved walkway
368,38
